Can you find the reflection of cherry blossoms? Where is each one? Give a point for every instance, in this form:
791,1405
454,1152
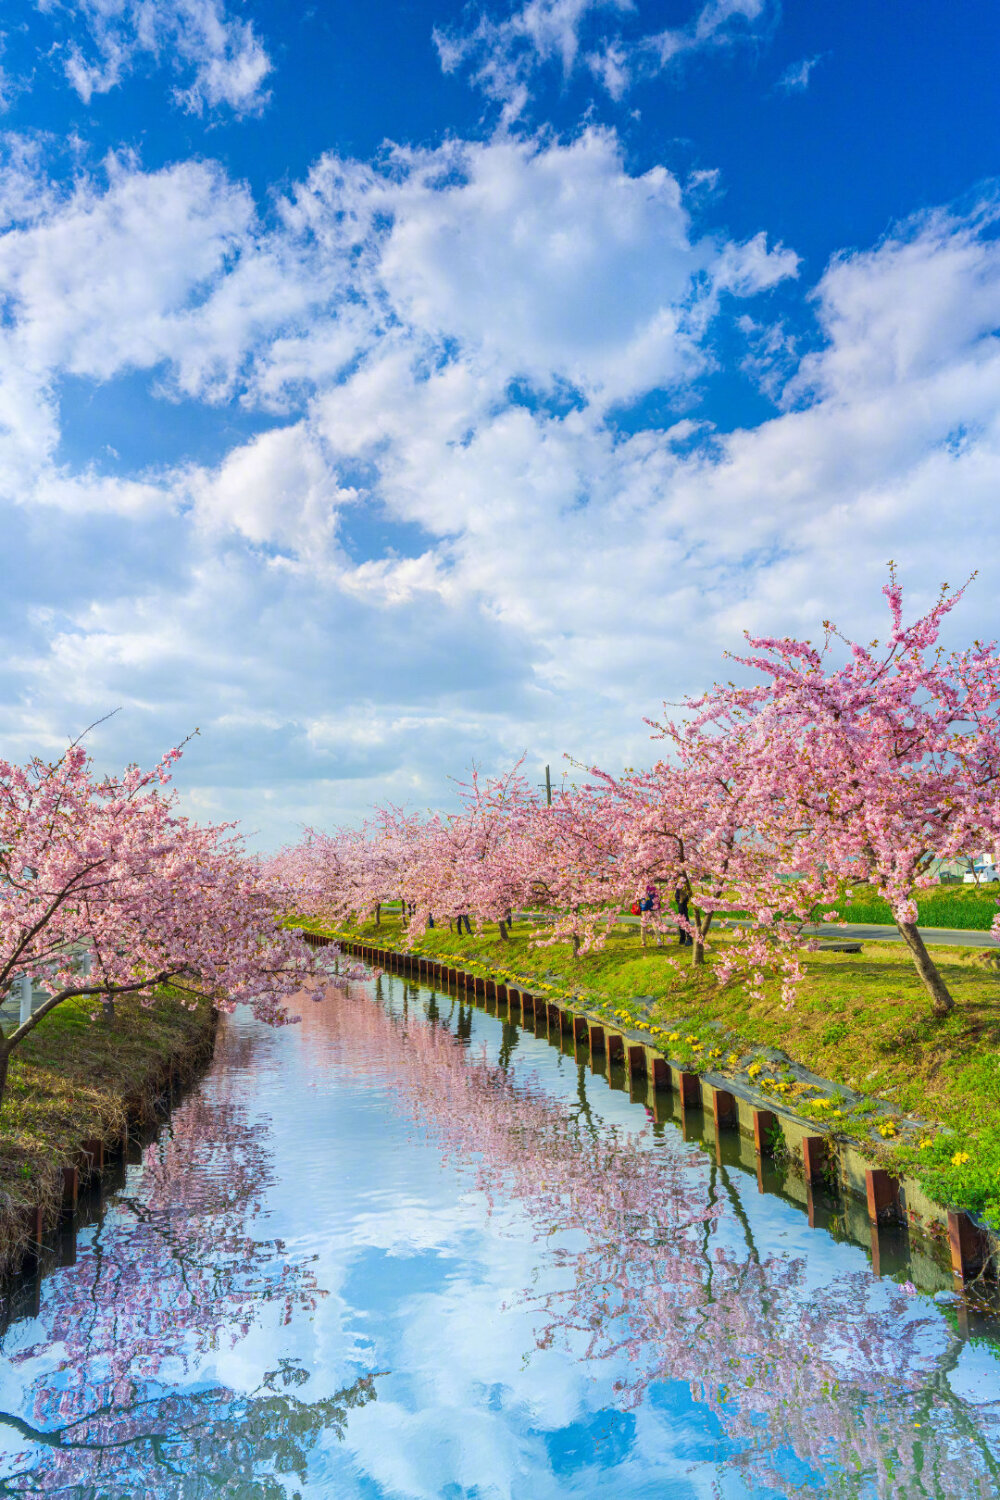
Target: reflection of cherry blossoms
173,1274
207,1442
839,1375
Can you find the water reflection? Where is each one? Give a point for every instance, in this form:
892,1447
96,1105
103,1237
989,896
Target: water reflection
662,1278
209,1443
551,1296
171,1274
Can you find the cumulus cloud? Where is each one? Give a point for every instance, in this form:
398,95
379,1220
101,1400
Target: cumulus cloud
795,78
924,300
104,279
219,60
446,543
502,56
279,490
436,281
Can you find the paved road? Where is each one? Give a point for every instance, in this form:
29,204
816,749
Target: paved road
957,937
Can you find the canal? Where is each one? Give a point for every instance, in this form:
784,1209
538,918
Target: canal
406,1248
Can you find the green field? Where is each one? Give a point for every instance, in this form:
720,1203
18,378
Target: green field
962,906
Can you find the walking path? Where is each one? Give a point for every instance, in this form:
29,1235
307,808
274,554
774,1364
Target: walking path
958,937
955,937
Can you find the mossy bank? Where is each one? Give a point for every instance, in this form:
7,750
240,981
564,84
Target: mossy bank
80,1077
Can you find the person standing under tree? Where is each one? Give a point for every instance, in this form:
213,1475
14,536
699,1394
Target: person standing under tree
681,898
647,905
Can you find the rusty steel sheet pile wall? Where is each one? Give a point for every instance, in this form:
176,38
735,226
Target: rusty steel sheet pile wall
821,1159
95,1163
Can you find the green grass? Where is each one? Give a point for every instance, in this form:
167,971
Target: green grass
967,907
861,1020
72,1079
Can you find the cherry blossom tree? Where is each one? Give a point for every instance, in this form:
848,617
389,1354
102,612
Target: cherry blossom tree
492,866
337,876
577,872
106,890
866,771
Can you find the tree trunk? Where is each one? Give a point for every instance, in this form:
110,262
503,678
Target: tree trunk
702,922
503,929
930,978
378,914
4,1061
576,946
108,1007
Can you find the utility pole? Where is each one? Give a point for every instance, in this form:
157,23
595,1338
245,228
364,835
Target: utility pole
548,786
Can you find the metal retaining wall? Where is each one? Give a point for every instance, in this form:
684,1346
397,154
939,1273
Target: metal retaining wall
819,1156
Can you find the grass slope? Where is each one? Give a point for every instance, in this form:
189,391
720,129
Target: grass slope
968,907
71,1081
861,1020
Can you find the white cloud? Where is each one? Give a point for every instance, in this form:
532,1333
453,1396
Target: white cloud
9,87
925,300
795,78
551,262
502,56
105,279
218,57
445,546
279,489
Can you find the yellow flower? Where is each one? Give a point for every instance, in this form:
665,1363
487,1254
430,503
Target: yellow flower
674,1036
960,1158
715,1052
691,1038
887,1129
754,1069
732,1060
838,1114
922,1145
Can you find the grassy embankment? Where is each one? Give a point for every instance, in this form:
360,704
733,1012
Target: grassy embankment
861,1020
76,1079
965,906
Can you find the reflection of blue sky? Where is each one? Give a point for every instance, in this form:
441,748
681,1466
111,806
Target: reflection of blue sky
423,1283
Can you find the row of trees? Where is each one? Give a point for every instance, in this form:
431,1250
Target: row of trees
107,890
824,767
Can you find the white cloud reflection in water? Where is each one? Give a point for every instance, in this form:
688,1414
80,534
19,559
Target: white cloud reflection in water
563,1302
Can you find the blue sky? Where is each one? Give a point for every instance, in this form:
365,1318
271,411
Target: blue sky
386,386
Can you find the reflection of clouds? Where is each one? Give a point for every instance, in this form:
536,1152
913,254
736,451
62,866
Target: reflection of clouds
452,1290
119,1379
421,1454
864,1334
817,1359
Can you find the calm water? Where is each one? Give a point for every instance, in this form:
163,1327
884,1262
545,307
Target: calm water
405,1249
